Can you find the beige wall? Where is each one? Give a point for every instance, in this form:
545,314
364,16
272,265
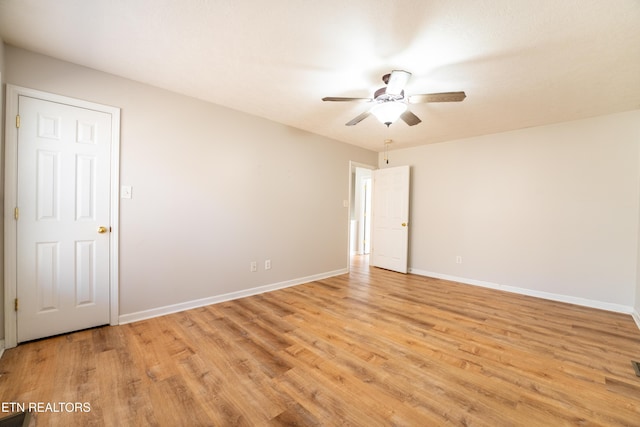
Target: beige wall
637,302
548,210
213,189
2,120
551,209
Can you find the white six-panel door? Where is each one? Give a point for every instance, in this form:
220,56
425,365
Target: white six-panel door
390,223
63,200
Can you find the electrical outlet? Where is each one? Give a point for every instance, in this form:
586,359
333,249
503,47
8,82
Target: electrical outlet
254,266
458,259
267,264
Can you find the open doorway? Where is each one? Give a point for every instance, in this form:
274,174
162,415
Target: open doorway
360,212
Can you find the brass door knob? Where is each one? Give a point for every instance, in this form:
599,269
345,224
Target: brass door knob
404,224
102,229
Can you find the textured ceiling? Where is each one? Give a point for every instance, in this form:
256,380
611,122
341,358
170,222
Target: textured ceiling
521,63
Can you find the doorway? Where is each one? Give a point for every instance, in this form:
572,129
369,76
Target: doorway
360,180
61,215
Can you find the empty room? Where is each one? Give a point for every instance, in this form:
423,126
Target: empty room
364,213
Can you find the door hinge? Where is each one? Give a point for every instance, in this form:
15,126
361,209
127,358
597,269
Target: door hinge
17,121
15,304
16,213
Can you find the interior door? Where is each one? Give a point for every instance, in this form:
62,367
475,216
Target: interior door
63,218
390,218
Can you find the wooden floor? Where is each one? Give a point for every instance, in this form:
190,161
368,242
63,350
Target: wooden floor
371,348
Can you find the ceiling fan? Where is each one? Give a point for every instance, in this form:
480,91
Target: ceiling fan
391,102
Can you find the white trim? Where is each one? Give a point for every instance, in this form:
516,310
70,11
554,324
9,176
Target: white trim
1,348
10,183
187,305
114,235
618,308
636,317
10,201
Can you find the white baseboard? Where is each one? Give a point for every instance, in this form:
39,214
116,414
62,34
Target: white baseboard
175,308
636,317
1,347
618,308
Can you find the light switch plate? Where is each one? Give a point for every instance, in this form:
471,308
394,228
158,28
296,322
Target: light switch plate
125,192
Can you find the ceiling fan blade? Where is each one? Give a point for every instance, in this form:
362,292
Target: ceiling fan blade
358,119
438,97
410,118
340,99
397,81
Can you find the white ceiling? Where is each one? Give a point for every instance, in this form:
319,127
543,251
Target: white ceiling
521,63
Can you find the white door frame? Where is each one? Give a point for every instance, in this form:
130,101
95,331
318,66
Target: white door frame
10,202
352,167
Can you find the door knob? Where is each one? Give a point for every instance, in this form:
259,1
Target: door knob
102,229
404,224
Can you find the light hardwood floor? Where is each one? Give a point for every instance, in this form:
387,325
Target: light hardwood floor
371,348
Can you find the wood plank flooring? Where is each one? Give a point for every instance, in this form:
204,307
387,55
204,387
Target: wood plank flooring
371,348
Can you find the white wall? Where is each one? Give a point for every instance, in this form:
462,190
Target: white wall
213,190
549,210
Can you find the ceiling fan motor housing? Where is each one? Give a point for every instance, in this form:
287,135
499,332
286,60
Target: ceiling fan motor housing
381,95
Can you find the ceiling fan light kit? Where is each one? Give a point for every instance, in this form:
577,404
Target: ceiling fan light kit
391,103
389,111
